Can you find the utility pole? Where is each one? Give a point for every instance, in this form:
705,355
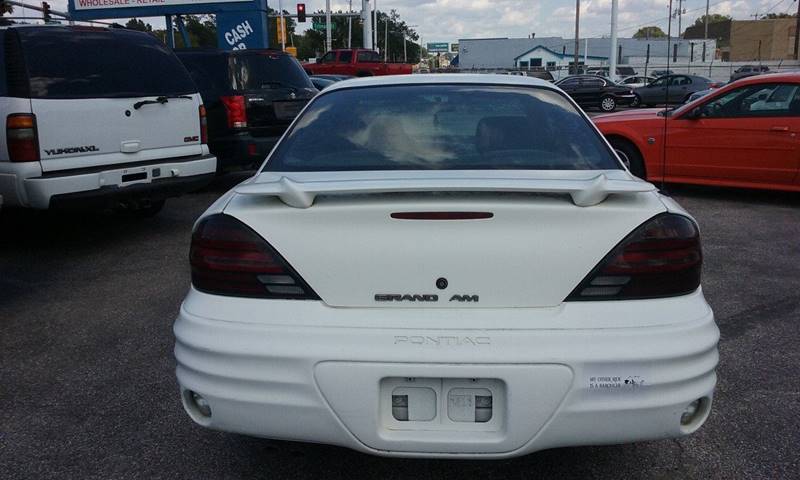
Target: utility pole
328,33
577,34
797,33
375,24
386,41
705,36
680,16
612,66
366,17
350,27
283,28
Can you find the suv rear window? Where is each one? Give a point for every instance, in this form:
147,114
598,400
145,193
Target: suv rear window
441,127
268,70
83,63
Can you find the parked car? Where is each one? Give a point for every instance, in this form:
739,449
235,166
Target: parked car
661,73
748,71
357,62
636,81
700,94
622,71
671,89
85,128
597,92
741,135
251,96
542,74
321,83
308,307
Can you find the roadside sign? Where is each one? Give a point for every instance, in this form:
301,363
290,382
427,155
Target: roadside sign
292,51
438,47
322,26
454,48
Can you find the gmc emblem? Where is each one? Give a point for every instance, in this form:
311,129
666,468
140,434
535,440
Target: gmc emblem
191,139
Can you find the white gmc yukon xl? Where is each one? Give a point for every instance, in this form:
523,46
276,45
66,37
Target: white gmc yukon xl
97,117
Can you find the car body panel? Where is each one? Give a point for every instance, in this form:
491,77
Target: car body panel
751,152
357,62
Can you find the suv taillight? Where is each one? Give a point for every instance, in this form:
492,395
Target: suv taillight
236,110
203,125
228,258
661,258
21,138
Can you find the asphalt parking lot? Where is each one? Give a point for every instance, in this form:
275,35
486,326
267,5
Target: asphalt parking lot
87,388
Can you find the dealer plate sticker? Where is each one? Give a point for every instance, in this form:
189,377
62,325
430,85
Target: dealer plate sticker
615,382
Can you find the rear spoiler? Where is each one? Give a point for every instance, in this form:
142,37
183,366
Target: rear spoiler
584,193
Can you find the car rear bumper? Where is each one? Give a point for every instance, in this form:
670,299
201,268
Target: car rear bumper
625,99
155,180
268,369
242,149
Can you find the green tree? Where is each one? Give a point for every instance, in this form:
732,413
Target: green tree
137,24
650,32
772,16
713,18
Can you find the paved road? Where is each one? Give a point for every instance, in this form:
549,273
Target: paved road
86,369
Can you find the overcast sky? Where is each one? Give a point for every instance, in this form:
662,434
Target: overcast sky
450,20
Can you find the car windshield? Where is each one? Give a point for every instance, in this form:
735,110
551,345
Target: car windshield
441,127
268,70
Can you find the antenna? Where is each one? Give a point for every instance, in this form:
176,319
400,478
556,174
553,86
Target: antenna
666,99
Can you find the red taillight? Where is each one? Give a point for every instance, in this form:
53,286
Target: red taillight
661,258
236,110
21,138
203,125
714,85
228,258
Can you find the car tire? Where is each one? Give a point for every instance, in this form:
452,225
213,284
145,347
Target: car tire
629,155
608,104
637,101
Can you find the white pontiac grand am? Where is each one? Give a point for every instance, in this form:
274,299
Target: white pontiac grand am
446,266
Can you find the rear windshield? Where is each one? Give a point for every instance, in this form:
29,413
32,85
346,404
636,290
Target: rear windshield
268,70
71,63
441,127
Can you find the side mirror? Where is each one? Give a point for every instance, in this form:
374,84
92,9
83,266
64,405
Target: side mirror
695,114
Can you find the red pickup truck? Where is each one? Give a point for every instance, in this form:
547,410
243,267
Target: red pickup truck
357,62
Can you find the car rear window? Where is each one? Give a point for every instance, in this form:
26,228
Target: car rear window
268,70
98,63
441,127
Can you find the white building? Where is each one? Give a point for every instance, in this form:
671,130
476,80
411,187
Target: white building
542,57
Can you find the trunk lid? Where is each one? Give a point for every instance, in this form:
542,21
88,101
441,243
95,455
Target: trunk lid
107,131
532,252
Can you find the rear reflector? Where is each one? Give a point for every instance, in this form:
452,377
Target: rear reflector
661,258
236,110
21,137
442,215
228,258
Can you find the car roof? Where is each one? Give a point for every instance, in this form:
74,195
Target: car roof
444,78
789,77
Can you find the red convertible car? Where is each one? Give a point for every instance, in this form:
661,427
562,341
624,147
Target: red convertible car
746,134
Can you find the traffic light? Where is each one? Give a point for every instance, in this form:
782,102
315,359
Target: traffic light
301,12
46,12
